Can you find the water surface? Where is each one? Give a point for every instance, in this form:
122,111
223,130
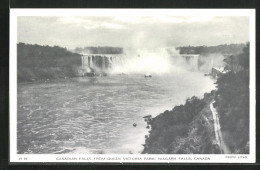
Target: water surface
96,115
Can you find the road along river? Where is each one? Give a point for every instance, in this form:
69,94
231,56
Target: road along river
218,134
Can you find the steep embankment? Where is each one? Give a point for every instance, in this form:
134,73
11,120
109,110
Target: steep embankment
232,105
186,129
37,62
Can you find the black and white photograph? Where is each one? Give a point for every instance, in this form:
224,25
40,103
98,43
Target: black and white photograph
132,85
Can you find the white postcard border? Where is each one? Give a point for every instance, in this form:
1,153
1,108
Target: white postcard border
126,158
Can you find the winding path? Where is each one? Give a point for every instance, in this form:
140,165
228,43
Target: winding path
218,134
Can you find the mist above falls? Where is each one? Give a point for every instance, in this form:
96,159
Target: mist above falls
142,61
147,53
163,61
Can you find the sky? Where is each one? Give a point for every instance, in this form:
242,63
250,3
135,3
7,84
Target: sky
133,31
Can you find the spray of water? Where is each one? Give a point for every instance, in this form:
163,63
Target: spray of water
149,61
207,61
164,61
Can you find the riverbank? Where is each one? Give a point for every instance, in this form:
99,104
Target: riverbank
189,128
186,129
232,104
36,62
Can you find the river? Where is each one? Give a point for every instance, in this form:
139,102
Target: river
95,115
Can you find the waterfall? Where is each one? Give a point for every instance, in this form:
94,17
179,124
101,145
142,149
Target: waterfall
99,63
142,62
84,61
192,61
103,62
89,61
110,60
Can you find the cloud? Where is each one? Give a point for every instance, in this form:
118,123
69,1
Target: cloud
191,19
91,23
73,20
133,31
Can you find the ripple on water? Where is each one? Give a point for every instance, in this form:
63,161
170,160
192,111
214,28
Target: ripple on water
83,116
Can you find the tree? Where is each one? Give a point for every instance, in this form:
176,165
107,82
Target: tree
243,58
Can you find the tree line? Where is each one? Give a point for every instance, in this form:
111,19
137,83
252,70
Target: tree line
37,62
99,50
232,102
224,49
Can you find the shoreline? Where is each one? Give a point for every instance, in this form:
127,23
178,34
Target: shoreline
151,148
188,128
149,118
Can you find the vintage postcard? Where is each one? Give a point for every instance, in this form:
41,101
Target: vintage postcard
132,85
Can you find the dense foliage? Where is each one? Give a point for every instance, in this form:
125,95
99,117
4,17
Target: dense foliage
232,103
172,126
224,49
100,50
45,62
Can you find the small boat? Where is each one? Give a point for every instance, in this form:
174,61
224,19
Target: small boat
134,124
148,76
